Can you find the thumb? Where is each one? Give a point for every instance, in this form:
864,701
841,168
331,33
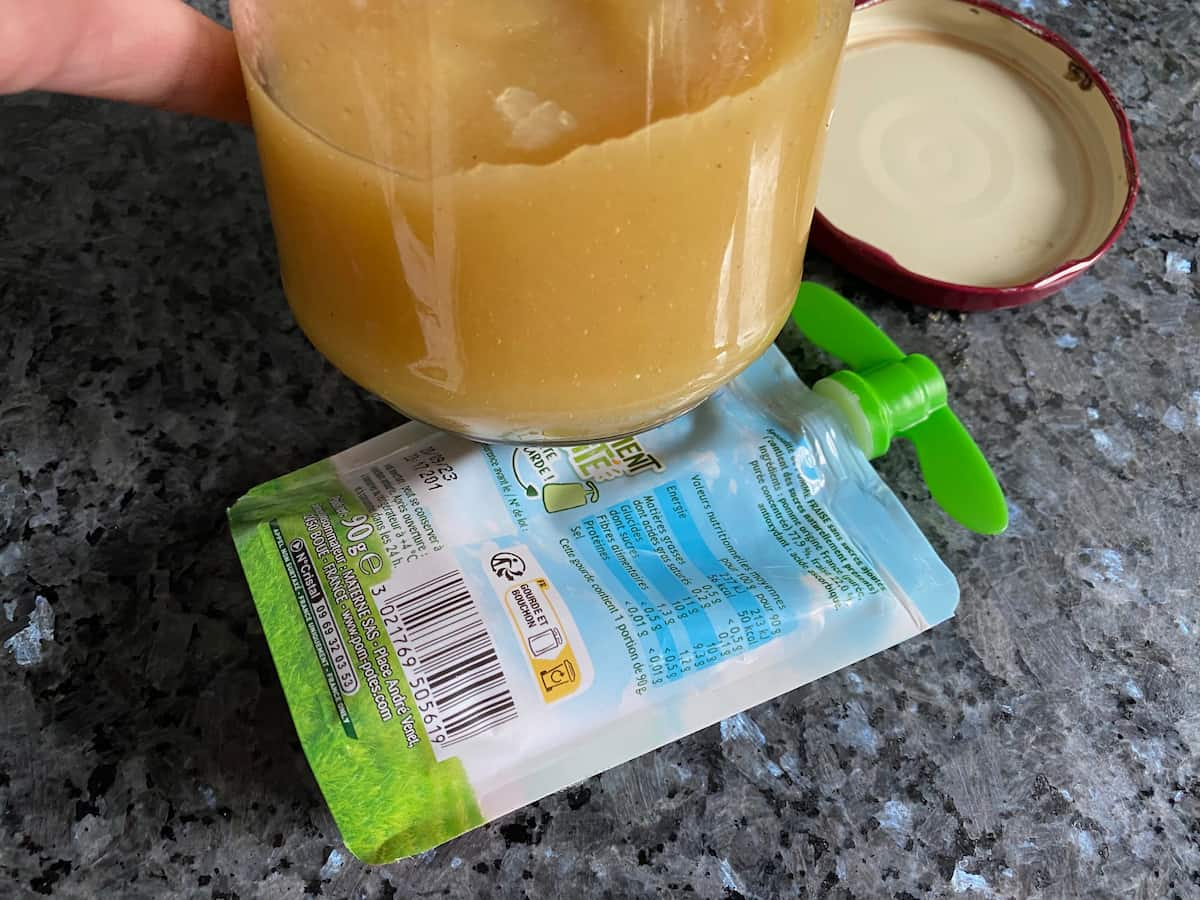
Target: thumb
158,53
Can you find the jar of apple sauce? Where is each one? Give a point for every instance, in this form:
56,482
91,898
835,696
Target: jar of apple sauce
541,221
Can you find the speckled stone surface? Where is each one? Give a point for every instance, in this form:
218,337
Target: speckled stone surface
1043,744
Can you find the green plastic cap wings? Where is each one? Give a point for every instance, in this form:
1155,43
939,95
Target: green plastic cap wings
887,394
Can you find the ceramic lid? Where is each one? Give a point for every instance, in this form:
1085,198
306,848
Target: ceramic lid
975,160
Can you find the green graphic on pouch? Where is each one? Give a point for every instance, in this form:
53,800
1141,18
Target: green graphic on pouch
556,496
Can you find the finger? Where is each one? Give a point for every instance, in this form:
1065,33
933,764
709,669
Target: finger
158,53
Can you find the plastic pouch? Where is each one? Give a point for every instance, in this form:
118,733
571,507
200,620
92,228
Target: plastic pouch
462,629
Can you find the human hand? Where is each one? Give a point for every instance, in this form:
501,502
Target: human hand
159,53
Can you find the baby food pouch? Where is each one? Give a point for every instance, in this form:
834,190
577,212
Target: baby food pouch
462,629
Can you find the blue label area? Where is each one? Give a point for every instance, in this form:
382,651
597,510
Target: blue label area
752,623
645,621
675,605
687,607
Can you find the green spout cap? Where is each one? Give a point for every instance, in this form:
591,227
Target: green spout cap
887,394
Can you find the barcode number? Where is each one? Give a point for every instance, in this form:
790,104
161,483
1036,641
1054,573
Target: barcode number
449,659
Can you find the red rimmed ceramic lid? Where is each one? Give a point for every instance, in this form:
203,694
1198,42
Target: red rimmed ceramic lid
975,160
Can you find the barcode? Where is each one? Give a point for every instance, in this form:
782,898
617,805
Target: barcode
449,658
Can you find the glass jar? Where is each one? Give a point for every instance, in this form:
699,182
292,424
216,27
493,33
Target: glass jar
541,221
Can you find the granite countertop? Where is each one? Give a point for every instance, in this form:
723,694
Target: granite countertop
1042,744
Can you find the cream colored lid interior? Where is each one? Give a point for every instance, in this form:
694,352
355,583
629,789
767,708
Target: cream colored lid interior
968,148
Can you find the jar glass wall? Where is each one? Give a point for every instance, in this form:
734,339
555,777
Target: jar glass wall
541,221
